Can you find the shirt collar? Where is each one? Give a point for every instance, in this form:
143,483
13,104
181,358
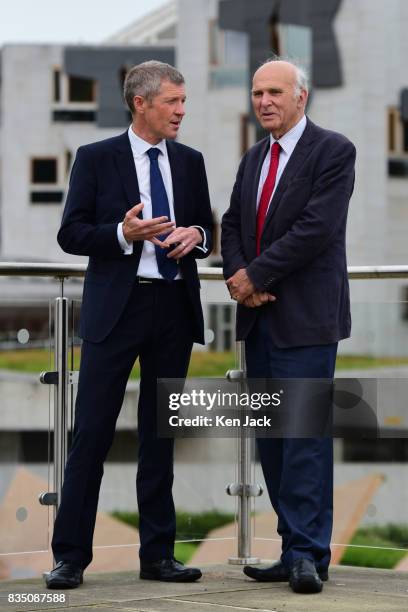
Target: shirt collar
289,140
140,146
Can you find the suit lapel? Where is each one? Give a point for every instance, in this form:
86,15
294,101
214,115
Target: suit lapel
295,162
126,168
178,177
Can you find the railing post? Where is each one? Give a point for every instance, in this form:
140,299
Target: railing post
244,490
60,394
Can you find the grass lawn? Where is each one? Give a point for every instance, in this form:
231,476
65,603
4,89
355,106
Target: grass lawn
190,526
376,543
373,546
203,363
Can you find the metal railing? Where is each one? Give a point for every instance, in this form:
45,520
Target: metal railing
61,377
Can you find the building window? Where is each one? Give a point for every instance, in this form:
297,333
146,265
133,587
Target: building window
221,319
397,133
44,170
74,116
46,197
216,235
404,303
74,98
394,131
45,187
228,57
391,129
122,76
68,162
80,89
57,85
397,142
213,46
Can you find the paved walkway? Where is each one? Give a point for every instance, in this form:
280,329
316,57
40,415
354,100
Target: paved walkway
223,588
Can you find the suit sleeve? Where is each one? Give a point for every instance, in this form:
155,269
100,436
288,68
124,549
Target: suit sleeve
316,227
231,241
203,214
79,233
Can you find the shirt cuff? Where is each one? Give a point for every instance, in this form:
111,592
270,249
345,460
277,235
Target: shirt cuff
126,247
203,246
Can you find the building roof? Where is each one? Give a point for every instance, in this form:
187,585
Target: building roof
157,27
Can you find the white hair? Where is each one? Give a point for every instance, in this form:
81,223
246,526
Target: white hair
302,78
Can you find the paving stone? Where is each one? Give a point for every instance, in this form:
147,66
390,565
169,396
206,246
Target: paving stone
223,588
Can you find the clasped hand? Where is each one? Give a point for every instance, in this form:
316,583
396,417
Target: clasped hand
244,292
185,238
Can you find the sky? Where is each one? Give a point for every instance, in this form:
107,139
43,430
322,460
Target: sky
68,21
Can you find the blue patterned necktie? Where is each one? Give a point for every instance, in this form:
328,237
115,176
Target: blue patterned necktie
168,268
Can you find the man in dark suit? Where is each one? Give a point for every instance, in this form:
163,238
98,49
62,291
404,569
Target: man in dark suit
283,245
138,206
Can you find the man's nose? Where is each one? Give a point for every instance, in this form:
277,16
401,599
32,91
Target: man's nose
266,100
180,110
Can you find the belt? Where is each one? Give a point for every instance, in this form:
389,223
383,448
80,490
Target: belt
141,280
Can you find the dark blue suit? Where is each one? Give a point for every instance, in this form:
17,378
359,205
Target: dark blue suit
303,263
120,321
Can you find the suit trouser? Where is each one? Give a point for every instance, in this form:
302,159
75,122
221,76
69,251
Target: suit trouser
156,326
298,471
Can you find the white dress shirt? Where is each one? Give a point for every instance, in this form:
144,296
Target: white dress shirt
288,142
148,264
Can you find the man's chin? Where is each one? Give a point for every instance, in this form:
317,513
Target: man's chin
270,126
172,134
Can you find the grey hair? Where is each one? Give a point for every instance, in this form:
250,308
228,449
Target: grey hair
302,77
145,80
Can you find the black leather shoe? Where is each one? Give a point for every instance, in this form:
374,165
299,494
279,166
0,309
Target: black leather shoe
275,573
168,570
303,577
65,575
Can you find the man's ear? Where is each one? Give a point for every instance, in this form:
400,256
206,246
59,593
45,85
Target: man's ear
139,103
304,94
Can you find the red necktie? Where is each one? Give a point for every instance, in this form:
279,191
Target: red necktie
266,194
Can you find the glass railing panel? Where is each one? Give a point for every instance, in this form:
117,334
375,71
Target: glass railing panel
25,420
206,515
206,464
371,469
370,444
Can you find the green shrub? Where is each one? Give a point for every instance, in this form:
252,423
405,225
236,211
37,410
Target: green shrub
203,363
376,543
190,526
183,551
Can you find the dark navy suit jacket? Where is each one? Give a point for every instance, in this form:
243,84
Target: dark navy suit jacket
303,255
103,186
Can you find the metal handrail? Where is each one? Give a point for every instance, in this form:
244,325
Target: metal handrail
62,270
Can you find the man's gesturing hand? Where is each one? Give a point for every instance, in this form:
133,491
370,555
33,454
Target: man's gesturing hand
143,229
186,238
